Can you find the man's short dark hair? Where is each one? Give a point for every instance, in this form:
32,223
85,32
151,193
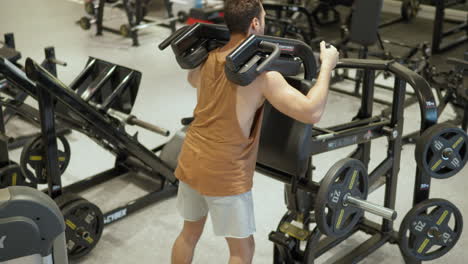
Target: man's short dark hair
238,14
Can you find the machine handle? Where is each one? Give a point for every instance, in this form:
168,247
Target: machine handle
133,120
273,56
59,62
172,37
187,121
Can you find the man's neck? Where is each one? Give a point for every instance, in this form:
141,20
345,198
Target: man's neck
234,41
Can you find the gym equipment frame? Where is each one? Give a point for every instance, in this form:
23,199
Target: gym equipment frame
101,123
136,16
27,113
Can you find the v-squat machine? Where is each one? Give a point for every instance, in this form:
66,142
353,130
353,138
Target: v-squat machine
97,104
27,113
337,203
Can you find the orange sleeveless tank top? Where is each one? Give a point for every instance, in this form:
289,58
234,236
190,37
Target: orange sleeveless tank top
217,159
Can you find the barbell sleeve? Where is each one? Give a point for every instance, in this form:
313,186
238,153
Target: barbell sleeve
132,120
373,208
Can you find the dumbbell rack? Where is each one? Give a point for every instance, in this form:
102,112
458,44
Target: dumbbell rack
360,132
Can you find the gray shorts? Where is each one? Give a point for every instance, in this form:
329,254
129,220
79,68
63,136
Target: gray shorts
232,216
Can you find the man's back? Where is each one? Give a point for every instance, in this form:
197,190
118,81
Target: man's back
220,148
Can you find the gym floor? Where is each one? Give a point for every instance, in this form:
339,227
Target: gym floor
166,97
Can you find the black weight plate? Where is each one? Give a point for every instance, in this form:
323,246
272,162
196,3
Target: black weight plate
32,160
84,225
85,23
429,235
66,198
11,175
409,9
334,218
90,8
442,151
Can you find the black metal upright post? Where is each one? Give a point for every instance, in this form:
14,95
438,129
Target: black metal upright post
4,157
48,64
394,149
10,40
100,17
49,139
359,73
438,25
367,103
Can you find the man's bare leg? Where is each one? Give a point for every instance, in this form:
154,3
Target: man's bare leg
241,250
184,246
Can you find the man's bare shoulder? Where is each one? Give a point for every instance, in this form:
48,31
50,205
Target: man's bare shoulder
268,79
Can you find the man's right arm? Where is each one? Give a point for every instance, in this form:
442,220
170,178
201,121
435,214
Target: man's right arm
288,100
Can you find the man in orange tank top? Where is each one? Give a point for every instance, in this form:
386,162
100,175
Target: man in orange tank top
217,160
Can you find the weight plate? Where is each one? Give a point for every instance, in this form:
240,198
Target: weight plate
66,198
89,7
11,175
85,23
334,217
32,161
427,236
84,225
125,30
409,9
442,151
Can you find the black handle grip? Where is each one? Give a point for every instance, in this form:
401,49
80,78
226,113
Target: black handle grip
186,121
273,56
172,37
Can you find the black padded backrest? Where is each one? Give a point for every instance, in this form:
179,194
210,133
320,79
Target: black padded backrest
96,69
365,21
284,142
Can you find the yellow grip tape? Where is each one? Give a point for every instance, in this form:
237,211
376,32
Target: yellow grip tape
459,140
436,165
14,176
340,218
89,240
35,158
423,246
351,184
442,217
70,224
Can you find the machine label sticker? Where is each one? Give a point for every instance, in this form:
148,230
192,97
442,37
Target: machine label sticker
2,241
286,48
342,142
424,186
430,104
115,216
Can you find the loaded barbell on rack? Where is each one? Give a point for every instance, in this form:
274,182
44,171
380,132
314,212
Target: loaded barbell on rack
341,200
